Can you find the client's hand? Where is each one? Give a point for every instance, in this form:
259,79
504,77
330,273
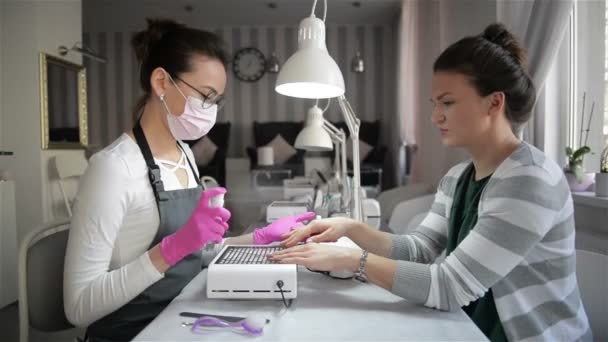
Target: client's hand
320,257
325,230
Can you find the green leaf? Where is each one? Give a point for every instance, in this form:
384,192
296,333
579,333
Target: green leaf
568,151
580,153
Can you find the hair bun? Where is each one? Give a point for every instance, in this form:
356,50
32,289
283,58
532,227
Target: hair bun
143,41
499,35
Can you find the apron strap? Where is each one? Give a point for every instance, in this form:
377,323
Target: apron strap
197,177
153,169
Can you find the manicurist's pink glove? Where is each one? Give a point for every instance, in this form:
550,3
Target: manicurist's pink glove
206,224
274,231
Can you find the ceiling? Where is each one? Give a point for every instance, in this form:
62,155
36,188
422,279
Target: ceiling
249,12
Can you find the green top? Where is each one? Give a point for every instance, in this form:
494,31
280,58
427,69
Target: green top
462,220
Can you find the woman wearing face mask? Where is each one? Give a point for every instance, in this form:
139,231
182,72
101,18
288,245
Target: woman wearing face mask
142,226
504,219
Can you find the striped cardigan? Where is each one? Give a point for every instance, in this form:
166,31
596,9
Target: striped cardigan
522,247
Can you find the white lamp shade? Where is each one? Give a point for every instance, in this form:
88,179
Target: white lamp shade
313,139
313,136
310,73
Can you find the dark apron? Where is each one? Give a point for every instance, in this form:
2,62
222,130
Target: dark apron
174,208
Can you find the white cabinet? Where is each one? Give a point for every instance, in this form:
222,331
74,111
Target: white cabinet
8,244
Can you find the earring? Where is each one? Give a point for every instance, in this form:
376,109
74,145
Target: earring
162,97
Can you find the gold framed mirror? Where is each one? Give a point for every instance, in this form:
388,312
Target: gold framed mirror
63,104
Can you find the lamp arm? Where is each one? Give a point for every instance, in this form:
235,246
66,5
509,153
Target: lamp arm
353,124
337,160
341,169
351,119
344,170
338,136
333,131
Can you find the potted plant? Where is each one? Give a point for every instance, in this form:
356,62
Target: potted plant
601,178
578,179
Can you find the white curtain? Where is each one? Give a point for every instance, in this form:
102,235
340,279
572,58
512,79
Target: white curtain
428,27
407,87
540,25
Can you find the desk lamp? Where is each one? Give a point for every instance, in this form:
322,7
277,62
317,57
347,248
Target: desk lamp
318,134
311,73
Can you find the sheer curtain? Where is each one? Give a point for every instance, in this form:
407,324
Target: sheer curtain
541,25
407,85
428,27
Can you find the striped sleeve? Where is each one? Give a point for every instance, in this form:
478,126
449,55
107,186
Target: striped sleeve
515,212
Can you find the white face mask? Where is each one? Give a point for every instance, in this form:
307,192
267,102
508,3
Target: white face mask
194,122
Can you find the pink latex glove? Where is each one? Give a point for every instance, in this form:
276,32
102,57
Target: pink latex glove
205,225
274,231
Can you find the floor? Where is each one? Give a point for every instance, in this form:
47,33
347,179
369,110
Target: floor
9,329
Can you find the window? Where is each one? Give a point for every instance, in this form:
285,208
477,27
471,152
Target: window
587,35
572,113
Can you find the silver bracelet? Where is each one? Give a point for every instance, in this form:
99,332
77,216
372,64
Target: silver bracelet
360,275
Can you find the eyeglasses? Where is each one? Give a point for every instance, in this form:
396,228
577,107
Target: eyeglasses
213,98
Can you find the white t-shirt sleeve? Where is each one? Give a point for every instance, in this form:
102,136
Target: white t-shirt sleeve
91,289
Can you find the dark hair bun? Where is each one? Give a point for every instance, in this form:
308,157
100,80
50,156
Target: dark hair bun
144,41
498,34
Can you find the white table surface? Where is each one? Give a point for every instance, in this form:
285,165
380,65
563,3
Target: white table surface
326,309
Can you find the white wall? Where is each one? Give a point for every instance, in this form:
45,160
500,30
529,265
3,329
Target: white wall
65,19
21,124
28,28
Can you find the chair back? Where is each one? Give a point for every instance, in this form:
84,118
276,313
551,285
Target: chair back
68,166
592,277
389,199
403,214
41,261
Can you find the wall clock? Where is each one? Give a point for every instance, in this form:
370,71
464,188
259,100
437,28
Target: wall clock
249,64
